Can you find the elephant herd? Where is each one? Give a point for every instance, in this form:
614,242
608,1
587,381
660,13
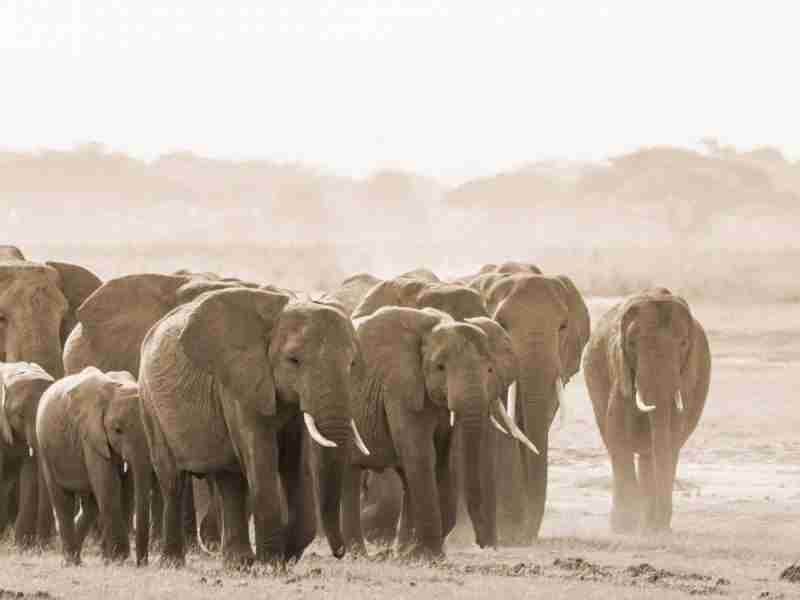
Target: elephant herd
185,406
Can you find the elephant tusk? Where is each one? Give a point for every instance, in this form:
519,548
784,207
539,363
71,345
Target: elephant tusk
679,401
315,434
125,466
516,433
5,427
562,406
497,425
452,418
645,408
30,451
511,400
357,439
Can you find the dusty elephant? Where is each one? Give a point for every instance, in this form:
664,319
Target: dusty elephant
37,311
647,368
423,372
89,431
111,325
21,387
230,384
548,323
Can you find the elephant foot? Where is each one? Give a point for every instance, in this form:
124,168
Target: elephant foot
240,559
424,553
357,549
170,560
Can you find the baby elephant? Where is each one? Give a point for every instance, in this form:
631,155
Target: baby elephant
89,432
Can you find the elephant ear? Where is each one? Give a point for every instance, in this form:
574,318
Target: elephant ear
501,350
117,316
394,292
77,284
91,391
227,334
497,288
392,341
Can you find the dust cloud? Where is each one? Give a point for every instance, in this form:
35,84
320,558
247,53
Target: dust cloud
712,222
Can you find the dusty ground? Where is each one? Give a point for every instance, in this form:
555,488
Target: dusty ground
735,525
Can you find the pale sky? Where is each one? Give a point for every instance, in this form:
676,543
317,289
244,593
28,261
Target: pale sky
450,88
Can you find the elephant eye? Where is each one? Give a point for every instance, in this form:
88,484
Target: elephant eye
118,430
440,367
491,370
294,360
563,326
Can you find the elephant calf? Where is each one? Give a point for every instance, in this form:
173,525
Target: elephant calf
90,430
21,386
647,370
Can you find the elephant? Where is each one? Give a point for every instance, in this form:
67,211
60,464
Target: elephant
89,431
111,325
548,323
37,311
21,386
230,384
647,369
423,373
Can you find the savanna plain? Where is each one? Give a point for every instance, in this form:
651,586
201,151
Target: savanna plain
737,495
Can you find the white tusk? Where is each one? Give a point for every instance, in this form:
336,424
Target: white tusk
516,433
125,466
30,451
497,425
562,406
511,400
315,434
357,439
679,401
452,418
641,405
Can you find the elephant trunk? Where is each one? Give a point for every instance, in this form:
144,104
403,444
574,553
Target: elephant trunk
333,423
142,480
661,397
472,431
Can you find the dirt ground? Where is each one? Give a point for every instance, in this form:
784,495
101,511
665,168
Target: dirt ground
734,531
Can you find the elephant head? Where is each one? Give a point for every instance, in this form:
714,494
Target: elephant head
459,301
114,319
37,308
21,386
271,356
650,355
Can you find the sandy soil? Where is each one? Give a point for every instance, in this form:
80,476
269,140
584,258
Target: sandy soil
735,524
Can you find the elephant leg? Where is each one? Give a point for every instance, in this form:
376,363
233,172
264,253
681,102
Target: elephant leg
381,506
510,479
232,489
262,468
64,506
156,513
87,518
45,523
301,508
405,530
189,517
25,527
489,488
207,508
173,548
107,488
351,511
625,509
419,464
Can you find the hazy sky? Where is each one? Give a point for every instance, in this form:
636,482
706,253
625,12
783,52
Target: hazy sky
453,91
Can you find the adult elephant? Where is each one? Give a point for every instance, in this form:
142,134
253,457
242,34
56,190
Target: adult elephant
111,325
37,311
647,369
228,382
548,324
21,386
383,491
423,373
